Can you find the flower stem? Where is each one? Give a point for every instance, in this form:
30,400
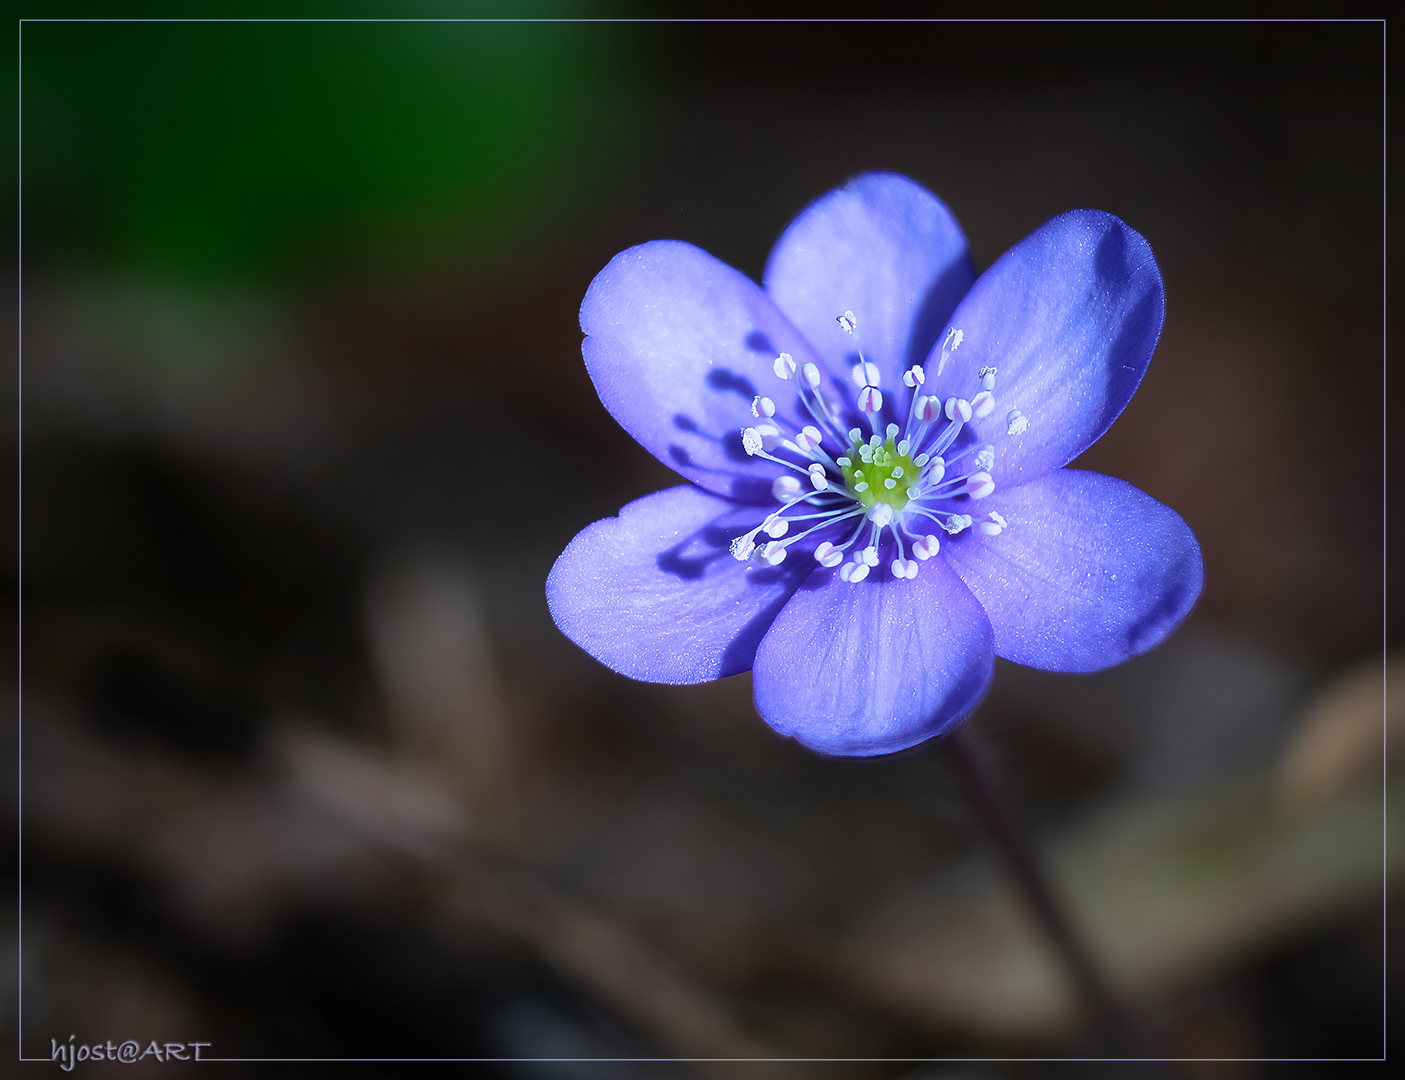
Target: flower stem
991,803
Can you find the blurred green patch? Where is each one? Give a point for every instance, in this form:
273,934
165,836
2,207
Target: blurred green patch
234,152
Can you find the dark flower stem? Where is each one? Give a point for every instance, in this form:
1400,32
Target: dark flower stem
993,806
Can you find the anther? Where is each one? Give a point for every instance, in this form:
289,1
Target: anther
953,341
936,471
763,406
993,524
773,554
751,441
828,555
880,513
819,480
983,404
956,522
987,378
847,322
812,375
904,568
854,572
985,458
925,548
784,365
865,374
869,555
743,546
958,408
927,408
921,459
979,485
870,400
1015,422
914,376
776,528
785,488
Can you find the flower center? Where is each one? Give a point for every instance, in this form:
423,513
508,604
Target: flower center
880,474
886,492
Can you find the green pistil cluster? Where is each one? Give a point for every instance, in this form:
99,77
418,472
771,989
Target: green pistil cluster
879,474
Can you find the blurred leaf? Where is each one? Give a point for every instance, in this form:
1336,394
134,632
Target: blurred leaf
231,150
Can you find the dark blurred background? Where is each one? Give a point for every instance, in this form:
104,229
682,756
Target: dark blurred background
307,770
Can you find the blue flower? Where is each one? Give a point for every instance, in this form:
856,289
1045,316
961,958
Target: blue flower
875,443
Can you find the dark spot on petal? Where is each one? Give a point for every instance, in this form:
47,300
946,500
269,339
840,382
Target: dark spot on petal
722,379
685,423
681,456
1110,260
751,489
756,341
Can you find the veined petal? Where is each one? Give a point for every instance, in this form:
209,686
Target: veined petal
679,345
656,595
874,667
1069,317
1088,571
885,248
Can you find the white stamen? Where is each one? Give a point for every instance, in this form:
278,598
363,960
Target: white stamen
773,554
936,471
927,408
993,524
956,523
870,399
952,343
914,376
784,365
979,485
751,441
921,459
904,568
828,555
1015,422
985,458
776,528
880,514
763,406
811,375
868,555
854,572
865,374
983,404
847,322
743,546
958,408
925,548
785,488
819,480
987,378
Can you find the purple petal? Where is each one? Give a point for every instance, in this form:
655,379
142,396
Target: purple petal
886,249
1089,571
656,595
679,345
1069,317
874,667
